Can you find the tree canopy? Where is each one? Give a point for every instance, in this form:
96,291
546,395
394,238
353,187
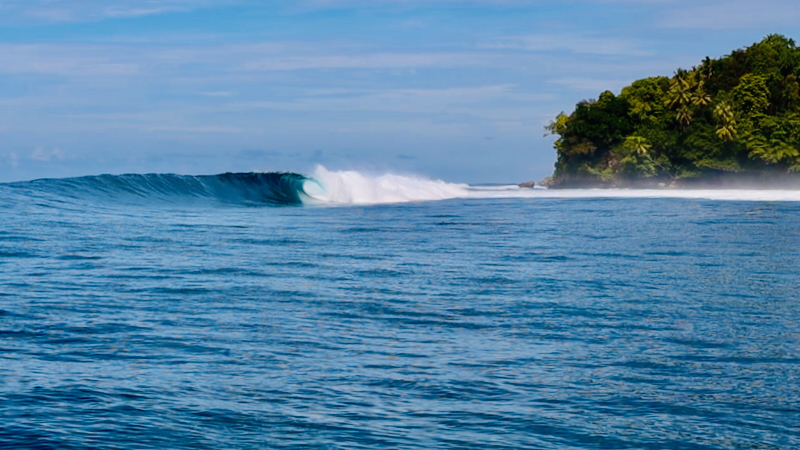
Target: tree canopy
736,114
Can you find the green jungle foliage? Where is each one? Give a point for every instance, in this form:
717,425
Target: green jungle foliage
736,114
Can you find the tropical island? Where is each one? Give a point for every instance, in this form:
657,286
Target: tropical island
734,118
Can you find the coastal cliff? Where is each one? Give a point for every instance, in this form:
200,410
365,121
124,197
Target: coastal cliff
735,119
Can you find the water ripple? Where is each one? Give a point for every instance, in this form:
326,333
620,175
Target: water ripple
526,323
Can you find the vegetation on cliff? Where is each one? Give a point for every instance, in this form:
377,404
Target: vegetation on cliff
737,114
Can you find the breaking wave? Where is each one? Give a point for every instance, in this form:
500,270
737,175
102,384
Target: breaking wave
327,187
351,187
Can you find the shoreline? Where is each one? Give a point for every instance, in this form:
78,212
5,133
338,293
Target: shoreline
761,181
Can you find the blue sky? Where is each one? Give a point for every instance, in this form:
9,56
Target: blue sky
452,89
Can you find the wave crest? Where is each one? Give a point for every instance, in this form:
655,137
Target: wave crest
351,187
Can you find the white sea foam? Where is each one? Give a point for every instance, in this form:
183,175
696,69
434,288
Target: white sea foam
352,187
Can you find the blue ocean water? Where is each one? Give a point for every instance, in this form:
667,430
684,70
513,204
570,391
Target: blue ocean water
234,312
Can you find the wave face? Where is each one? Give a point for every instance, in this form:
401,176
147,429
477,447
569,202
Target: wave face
275,188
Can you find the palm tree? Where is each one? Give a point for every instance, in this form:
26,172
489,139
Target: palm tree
724,111
639,145
679,93
725,117
700,97
684,116
682,74
706,69
727,132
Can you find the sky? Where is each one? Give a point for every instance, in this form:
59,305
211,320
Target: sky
458,90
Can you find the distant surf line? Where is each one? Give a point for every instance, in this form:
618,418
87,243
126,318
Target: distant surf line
338,187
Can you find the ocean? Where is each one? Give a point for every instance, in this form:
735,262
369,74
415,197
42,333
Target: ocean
344,310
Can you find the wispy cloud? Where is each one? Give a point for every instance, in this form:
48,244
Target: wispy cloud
63,60
45,156
569,43
91,10
371,61
731,14
496,102
117,11
325,4
187,129
218,94
594,85
93,60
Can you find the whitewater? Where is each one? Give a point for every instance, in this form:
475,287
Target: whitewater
352,187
